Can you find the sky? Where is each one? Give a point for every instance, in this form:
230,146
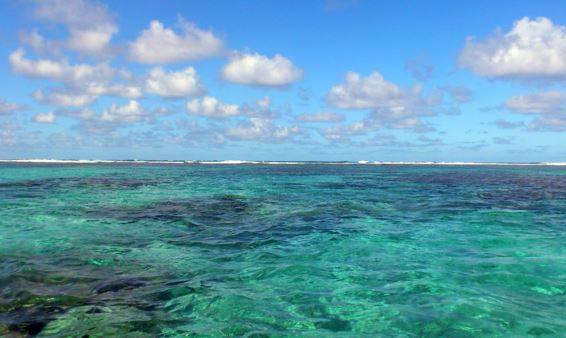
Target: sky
475,81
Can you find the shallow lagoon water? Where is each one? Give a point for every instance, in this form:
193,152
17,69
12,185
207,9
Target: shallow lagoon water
282,250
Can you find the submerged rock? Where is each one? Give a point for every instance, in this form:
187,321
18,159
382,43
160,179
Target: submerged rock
118,285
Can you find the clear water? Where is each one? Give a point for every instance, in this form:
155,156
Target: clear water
282,251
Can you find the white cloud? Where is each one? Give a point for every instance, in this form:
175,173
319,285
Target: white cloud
131,112
84,83
556,124
62,99
320,117
59,70
262,129
259,70
211,107
10,133
261,109
365,92
390,106
39,69
8,107
90,25
83,114
264,103
45,118
345,131
118,89
91,41
83,96
549,108
533,49
160,45
174,84
34,40
114,117
551,102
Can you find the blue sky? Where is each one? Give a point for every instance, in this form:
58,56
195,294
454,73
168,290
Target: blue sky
283,80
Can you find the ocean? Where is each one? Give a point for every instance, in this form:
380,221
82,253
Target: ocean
282,250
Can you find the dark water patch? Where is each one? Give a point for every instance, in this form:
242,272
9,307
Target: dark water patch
27,313
454,192
219,209
323,319
35,296
541,331
29,328
334,324
23,312
333,216
118,285
40,187
352,184
519,187
174,292
235,222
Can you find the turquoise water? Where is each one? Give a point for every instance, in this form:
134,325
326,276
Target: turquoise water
282,251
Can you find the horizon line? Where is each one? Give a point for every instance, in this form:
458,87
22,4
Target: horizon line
265,162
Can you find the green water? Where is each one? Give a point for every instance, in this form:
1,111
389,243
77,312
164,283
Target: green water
282,251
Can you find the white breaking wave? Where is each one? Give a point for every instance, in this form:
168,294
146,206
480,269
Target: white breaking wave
472,163
88,161
227,162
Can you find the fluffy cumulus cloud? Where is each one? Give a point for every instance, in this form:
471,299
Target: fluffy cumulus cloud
59,70
160,45
320,117
129,91
372,122
174,84
360,92
344,132
533,49
212,107
86,95
131,112
114,117
264,102
89,23
262,129
389,105
259,70
63,99
551,102
548,107
44,117
8,107
83,83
